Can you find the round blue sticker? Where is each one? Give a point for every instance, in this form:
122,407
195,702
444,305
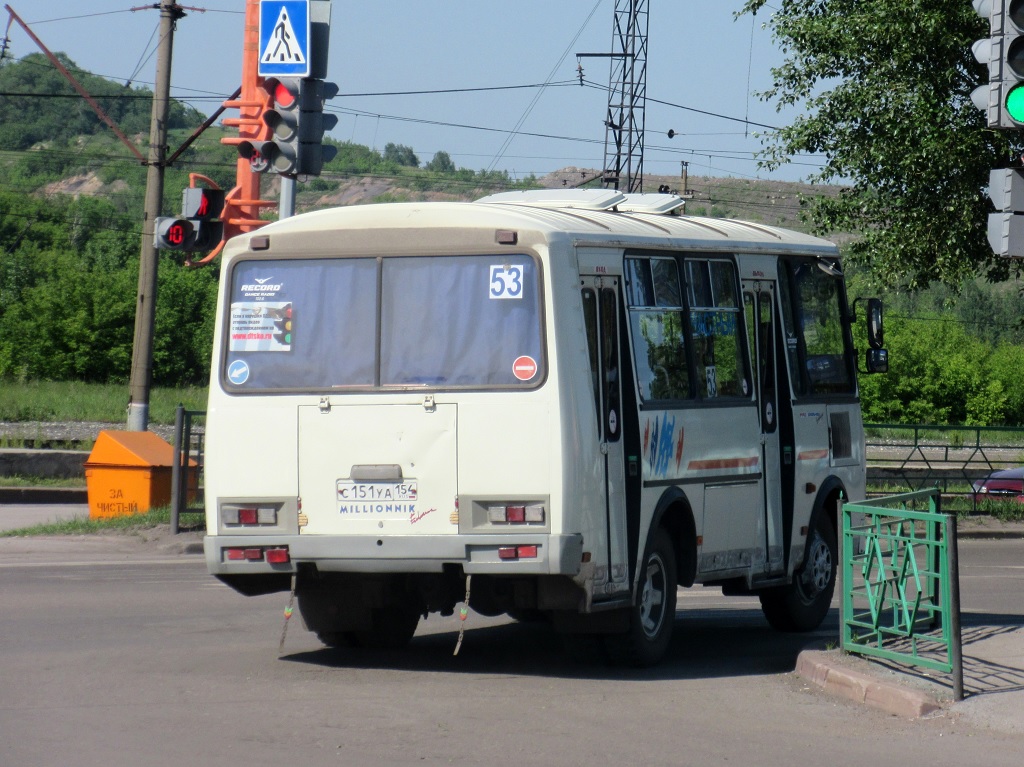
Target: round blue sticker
238,372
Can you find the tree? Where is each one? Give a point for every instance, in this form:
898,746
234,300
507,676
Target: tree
441,163
40,105
884,86
401,155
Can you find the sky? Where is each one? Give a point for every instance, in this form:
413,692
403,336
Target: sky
700,60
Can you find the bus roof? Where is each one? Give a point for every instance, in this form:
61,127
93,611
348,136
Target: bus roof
586,216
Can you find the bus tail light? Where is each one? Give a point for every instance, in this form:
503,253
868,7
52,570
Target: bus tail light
516,514
277,555
248,515
518,552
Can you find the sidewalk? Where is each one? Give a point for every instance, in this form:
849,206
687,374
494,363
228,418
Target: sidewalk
993,679
993,661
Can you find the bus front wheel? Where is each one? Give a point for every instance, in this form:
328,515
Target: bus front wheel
654,612
803,604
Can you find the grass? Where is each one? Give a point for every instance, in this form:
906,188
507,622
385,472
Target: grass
73,401
17,480
959,501
131,523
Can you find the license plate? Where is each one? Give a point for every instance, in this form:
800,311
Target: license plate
378,499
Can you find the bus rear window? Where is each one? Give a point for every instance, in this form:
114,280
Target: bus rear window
396,322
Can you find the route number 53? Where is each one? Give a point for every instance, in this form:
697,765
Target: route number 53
506,282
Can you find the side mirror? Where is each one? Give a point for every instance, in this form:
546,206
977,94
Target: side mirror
876,333
877,361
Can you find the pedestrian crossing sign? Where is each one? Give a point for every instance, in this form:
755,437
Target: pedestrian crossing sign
284,38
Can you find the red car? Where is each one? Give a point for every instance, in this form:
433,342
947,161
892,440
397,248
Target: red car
1005,485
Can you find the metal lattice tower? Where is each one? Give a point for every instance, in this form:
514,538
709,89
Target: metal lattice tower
627,98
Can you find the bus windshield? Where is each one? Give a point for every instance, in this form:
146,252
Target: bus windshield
816,333
396,322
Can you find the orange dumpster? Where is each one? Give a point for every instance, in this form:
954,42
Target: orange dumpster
129,472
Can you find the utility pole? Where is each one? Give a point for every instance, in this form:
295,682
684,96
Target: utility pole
627,97
145,306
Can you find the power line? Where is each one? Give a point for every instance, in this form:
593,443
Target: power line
83,16
439,91
744,121
202,95
526,113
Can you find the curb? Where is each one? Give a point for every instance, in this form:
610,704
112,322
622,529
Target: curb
183,548
817,666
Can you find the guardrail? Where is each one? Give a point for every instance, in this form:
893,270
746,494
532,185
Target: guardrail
912,457
189,445
901,583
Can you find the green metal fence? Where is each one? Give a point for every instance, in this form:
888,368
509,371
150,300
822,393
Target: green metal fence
901,595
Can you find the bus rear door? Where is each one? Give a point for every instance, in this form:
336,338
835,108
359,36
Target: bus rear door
600,297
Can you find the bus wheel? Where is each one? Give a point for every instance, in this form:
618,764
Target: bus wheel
652,617
336,639
391,628
803,604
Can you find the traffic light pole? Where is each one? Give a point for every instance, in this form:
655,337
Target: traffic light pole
286,205
145,306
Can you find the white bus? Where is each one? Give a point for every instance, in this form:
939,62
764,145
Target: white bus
566,403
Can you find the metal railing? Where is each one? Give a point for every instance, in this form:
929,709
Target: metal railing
187,470
912,457
901,583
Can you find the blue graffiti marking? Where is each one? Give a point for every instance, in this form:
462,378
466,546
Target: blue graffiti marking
663,445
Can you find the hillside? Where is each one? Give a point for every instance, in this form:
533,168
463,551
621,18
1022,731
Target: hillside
768,202
46,153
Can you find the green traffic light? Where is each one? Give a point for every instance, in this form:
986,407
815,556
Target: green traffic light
1015,103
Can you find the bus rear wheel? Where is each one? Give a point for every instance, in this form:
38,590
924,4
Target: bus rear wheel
804,603
653,615
391,628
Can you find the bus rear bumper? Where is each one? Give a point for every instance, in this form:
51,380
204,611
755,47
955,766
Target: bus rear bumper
527,554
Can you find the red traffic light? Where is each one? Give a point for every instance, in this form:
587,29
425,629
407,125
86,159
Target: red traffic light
204,204
177,233
285,94
283,91
173,234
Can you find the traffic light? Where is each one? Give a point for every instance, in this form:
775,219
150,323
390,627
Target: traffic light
203,207
170,233
1002,98
282,117
256,152
1006,225
296,122
313,123
198,227
282,318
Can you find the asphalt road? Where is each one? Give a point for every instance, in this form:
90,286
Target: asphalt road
121,651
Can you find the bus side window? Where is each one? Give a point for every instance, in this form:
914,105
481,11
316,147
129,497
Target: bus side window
715,326
754,336
610,364
590,321
654,300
